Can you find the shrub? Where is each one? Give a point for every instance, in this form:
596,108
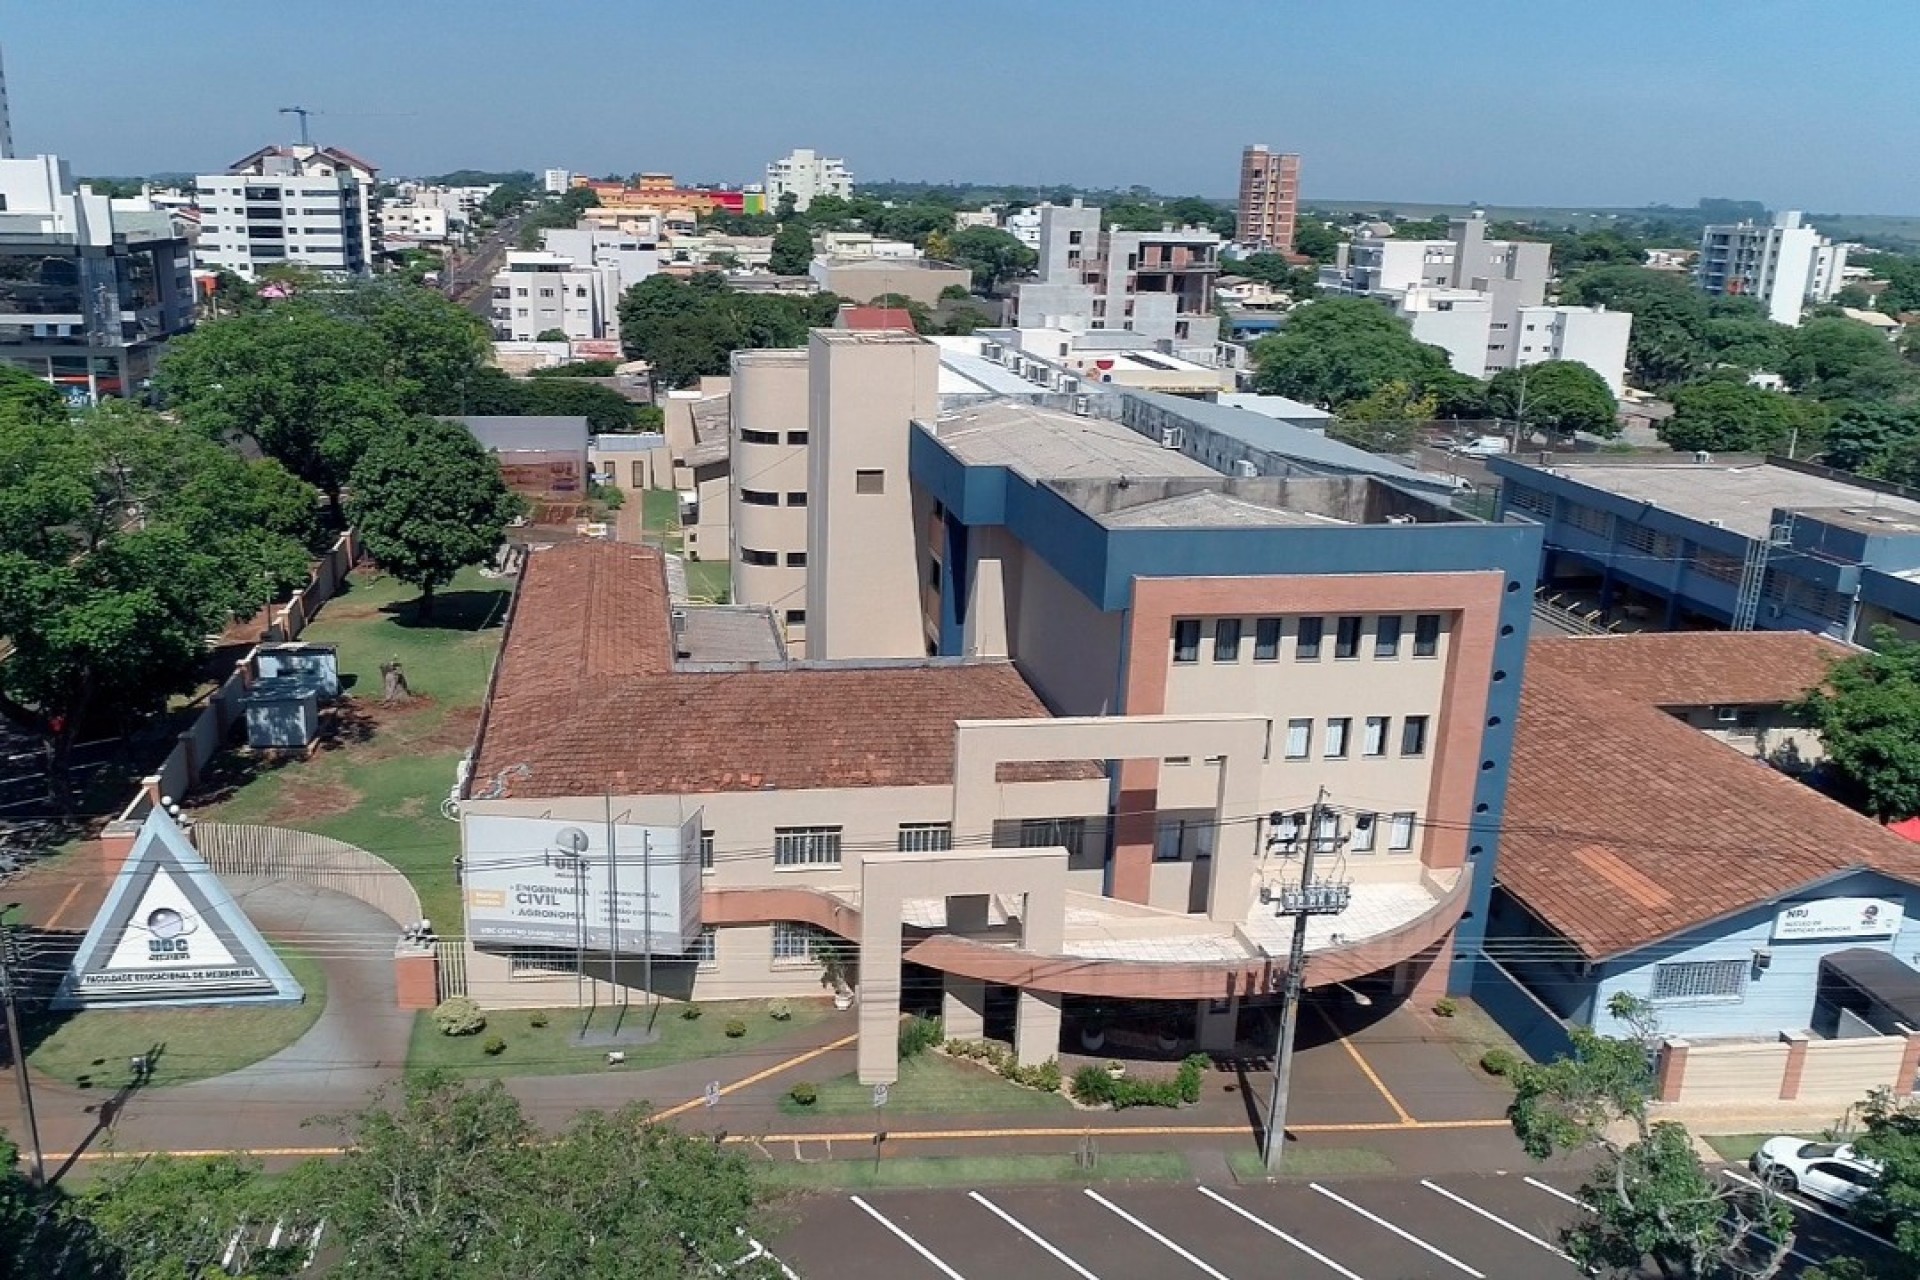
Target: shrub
1092,1085
736,1029
1192,1074
1445,1007
459,1016
917,1035
691,1012
494,1047
1045,1075
804,1094
780,1011
1499,1062
537,1019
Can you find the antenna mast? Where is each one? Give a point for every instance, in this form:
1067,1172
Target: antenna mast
303,113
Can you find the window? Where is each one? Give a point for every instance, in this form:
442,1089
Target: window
706,850
759,498
806,846
794,941
1186,640
1700,980
1375,741
934,574
1266,639
750,556
925,837
1299,739
1306,645
1044,833
1337,729
706,950
1286,832
797,499
1400,833
796,617
865,481
796,437
1226,640
1426,635
1327,837
1366,828
1166,840
1413,736
1386,636
1346,637
759,437
796,559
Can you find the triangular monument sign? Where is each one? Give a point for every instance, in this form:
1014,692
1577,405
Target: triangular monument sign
170,933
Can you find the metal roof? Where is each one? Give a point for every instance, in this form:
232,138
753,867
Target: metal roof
1879,974
1259,431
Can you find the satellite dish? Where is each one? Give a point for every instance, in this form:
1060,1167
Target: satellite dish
572,839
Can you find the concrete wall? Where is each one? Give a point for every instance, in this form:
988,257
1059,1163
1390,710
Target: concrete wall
1789,1068
863,280
1735,1073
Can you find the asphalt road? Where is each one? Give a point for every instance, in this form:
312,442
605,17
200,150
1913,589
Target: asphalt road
1502,1226
468,283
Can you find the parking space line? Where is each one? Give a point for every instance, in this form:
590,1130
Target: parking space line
1266,1226
1098,1198
1801,1202
1032,1235
1366,1068
908,1240
1495,1218
1402,1232
1556,1192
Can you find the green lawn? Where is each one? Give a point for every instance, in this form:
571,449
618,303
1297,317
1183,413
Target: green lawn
1738,1148
709,581
931,1084
550,1051
660,510
91,1049
380,784
1311,1162
970,1171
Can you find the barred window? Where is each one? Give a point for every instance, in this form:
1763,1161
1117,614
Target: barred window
1700,980
1525,499
806,846
1712,564
1588,519
706,850
706,952
539,962
925,837
1042,833
793,940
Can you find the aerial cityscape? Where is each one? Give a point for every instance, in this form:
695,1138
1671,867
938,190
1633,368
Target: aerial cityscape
996,680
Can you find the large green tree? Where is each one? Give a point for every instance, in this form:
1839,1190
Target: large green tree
1339,349
1386,420
1868,715
1561,397
1648,1194
1837,358
433,344
792,249
689,328
992,255
1724,416
428,500
1669,319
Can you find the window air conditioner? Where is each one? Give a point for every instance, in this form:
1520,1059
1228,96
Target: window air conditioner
1172,437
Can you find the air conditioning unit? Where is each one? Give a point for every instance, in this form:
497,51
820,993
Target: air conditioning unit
1083,405
1245,469
1172,437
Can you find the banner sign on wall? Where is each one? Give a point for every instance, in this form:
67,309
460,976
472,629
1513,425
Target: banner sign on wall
1839,918
581,884
169,933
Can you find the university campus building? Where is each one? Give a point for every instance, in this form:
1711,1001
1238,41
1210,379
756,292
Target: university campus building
1068,697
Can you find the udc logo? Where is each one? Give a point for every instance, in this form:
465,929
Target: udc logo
168,931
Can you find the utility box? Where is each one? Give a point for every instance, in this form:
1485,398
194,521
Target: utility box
293,658
283,714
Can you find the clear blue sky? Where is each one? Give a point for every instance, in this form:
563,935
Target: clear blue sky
1799,103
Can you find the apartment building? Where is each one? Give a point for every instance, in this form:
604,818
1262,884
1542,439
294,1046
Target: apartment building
1593,336
89,291
415,223
299,206
1155,283
633,256
539,291
555,182
805,176
768,440
1269,200
1786,265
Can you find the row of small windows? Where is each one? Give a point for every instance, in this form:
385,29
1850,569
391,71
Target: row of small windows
767,559
1309,636
1362,837
748,436
1376,732
767,498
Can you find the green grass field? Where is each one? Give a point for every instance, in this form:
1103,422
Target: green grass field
551,1051
930,1084
970,1171
91,1049
379,783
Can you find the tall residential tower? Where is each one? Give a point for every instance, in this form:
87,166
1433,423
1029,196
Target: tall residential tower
1269,199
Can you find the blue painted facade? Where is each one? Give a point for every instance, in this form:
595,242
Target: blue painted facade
1778,996
1829,574
1102,564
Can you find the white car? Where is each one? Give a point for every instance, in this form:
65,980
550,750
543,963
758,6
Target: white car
1833,1174
1481,447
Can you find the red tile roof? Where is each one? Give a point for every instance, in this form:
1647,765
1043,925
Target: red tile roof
852,317
586,696
1625,826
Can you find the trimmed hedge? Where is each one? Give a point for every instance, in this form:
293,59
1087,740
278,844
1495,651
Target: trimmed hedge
1093,1085
1045,1076
459,1016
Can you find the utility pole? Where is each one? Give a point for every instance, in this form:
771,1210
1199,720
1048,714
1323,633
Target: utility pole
1310,898
37,1175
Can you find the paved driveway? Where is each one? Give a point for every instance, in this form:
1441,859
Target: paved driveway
1459,1227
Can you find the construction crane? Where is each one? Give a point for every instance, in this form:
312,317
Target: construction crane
303,112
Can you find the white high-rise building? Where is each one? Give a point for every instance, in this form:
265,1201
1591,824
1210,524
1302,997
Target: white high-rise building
1785,266
804,175
6,120
299,206
541,292
555,182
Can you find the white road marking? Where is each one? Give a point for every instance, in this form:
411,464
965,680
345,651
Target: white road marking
908,1240
1266,1226
1404,1234
1100,1199
1557,1192
1495,1218
1032,1235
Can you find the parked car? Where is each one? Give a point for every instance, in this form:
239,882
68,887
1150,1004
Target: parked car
1832,1173
1481,447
